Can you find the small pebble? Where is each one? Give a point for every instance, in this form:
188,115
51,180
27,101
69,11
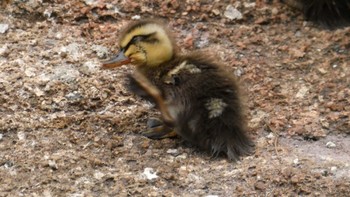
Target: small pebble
333,168
298,34
4,50
73,95
90,2
53,164
8,164
21,135
172,151
63,54
296,161
303,90
73,49
98,175
182,156
274,11
232,13
270,136
330,144
216,12
260,185
136,17
249,5
47,193
100,51
238,72
3,28
150,174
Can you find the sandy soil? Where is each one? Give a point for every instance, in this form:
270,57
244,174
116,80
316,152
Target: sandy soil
68,128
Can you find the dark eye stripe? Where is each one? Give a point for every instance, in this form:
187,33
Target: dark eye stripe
140,38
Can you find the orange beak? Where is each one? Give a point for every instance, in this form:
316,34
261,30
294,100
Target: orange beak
119,60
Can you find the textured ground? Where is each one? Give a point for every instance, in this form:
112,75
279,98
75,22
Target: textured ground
68,128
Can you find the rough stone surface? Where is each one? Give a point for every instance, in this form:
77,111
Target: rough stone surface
68,128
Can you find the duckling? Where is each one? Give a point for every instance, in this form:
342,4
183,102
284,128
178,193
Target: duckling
197,98
328,13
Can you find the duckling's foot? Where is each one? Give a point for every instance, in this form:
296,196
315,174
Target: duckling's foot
154,122
158,130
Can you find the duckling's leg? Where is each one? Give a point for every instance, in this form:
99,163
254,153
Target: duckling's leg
156,94
158,130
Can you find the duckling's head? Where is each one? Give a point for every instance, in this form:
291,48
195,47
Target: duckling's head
143,43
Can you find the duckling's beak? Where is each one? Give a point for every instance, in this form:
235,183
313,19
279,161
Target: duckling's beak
119,60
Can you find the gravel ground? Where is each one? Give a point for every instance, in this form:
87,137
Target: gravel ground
68,128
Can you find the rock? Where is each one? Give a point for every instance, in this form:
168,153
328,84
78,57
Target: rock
53,165
90,2
330,144
216,12
259,185
3,28
182,156
21,135
8,164
30,72
38,92
73,50
100,51
4,50
63,54
249,5
333,169
203,41
136,17
1,136
232,13
98,175
302,92
172,151
298,34
270,135
73,95
33,4
65,72
47,193
238,72
88,67
149,174
296,161
295,179
257,117
274,11
322,70
47,13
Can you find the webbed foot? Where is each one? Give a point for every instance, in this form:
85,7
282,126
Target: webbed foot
158,130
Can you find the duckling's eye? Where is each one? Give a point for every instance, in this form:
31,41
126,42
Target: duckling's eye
142,38
138,38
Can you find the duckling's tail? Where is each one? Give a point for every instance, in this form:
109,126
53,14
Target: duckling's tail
233,141
225,134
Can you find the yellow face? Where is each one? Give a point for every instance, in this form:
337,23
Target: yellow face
146,45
